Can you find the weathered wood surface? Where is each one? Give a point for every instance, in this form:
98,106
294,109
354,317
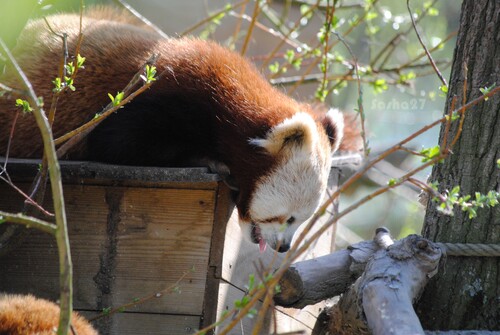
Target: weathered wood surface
134,231
311,281
126,243
314,280
380,301
150,324
92,173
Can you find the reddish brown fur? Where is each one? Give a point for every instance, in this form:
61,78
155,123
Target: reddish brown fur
240,102
27,315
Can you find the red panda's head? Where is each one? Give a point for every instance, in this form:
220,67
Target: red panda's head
290,193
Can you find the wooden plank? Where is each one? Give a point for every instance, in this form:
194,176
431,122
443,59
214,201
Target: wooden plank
91,173
223,210
139,323
126,243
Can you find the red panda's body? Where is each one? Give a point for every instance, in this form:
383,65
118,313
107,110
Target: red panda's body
208,105
27,315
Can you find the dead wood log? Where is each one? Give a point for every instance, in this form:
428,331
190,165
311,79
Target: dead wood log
311,281
462,332
380,301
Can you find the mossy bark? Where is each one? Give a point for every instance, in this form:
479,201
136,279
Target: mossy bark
466,292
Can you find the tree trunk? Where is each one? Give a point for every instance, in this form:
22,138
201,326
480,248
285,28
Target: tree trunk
466,292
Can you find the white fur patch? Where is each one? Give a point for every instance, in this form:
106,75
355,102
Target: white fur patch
301,125
294,188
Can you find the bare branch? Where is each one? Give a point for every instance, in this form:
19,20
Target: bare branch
28,221
65,265
434,66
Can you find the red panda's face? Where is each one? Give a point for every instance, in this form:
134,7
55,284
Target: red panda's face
289,194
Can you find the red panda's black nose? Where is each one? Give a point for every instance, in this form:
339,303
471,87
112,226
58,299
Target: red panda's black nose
283,247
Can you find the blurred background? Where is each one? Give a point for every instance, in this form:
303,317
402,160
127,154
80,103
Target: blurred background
308,48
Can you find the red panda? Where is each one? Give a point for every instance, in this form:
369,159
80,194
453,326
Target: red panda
210,106
27,315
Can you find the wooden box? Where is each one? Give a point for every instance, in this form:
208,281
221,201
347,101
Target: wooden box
134,232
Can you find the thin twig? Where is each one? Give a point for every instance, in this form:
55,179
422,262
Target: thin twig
237,29
322,209
11,136
61,234
28,221
273,52
315,62
256,11
462,110
361,111
213,16
142,18
330,15
268,30
73,137
413,152
136,302
9,89
434,66
448,122
28,199
391,45
422,54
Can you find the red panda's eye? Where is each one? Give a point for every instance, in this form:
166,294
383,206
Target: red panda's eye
290,220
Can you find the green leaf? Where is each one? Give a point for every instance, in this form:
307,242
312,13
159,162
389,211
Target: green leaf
149,74
251,282
370,16
486,90
379,85
25,105
277,289
443,88
79,61
57,85
69,83
274,68
433,11
117,99
454,116
392,181
403,78
305,11
70,68
472,212
455,190
430,153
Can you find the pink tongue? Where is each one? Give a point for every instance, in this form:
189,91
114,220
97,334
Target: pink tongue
262,245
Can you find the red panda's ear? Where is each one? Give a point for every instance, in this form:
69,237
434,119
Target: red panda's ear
333,122
297,132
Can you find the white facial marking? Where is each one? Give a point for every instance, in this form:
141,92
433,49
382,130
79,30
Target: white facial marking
297,184
300,122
